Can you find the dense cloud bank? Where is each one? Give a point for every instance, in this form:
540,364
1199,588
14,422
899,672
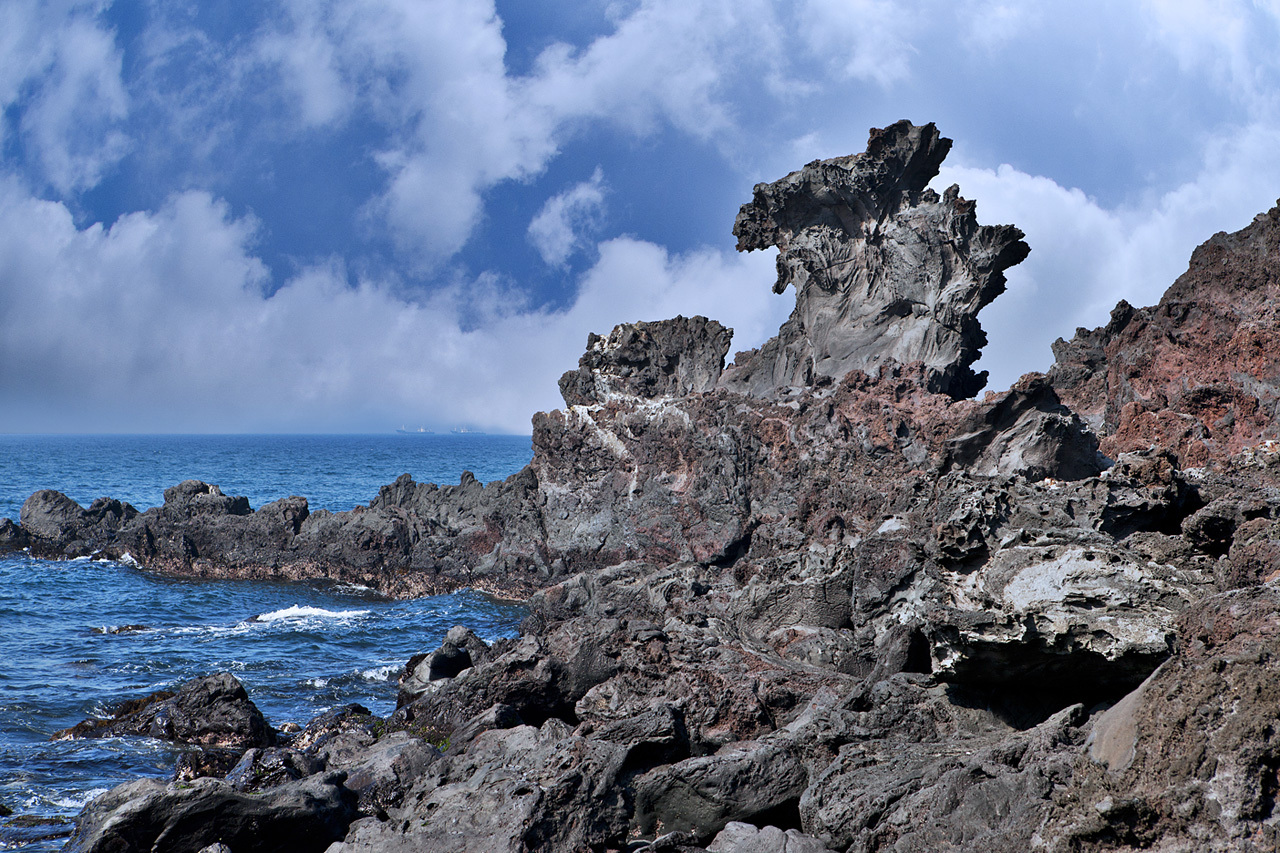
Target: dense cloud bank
353,214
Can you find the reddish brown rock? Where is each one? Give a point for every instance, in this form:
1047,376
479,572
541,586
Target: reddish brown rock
1198,373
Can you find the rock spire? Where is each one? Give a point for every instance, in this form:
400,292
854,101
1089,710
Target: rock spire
884,268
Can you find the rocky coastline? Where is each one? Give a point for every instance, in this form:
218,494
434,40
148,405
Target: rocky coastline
819,599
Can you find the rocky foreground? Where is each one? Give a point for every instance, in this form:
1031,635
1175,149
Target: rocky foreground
817,600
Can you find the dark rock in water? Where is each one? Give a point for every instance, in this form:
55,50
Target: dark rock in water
669,358
213,711
192,498
884,268
461,650
309,814
121,629
12,536
57,525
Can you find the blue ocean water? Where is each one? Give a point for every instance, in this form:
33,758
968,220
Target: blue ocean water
298,649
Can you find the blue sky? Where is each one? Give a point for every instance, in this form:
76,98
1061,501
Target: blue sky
357,214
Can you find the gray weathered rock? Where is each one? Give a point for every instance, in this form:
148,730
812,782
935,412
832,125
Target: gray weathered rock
148,815
739,837
884,268
669,358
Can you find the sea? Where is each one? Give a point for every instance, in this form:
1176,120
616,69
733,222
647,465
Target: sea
79,637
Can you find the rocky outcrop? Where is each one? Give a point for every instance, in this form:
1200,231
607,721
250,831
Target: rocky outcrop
884,268
307,815
670,358
1199,372
213,711
818,600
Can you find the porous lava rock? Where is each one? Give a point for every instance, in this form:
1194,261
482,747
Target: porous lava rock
821,599
884,268
668,358
1199,372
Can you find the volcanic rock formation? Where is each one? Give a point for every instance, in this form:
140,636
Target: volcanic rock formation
1198,373
819,600
884,269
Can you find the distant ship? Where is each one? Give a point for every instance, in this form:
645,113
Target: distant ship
418,431
465,431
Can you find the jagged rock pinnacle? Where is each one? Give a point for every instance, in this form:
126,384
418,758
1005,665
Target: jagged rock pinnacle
885,269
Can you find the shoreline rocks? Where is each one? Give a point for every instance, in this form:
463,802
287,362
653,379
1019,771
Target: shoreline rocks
820,599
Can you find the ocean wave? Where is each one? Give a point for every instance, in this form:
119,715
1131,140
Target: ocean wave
355,589
382,673
299,612
80,801
66,801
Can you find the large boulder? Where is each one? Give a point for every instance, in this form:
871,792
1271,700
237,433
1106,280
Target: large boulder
213,711
149,815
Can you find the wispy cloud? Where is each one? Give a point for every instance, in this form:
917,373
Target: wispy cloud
64,70
565,222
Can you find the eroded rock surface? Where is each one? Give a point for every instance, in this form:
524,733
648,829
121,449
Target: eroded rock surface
817,600
1199,372
884,268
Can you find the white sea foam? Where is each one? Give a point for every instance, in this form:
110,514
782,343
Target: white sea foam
219,631
79,802
128,560
354,589
298,612
316,682
381,673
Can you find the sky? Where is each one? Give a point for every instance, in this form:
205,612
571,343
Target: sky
357,215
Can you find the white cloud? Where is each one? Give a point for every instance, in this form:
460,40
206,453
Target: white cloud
308,64
162,322
667,61
564,222
60,75
864,39
1225,38
1085,257
433,74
